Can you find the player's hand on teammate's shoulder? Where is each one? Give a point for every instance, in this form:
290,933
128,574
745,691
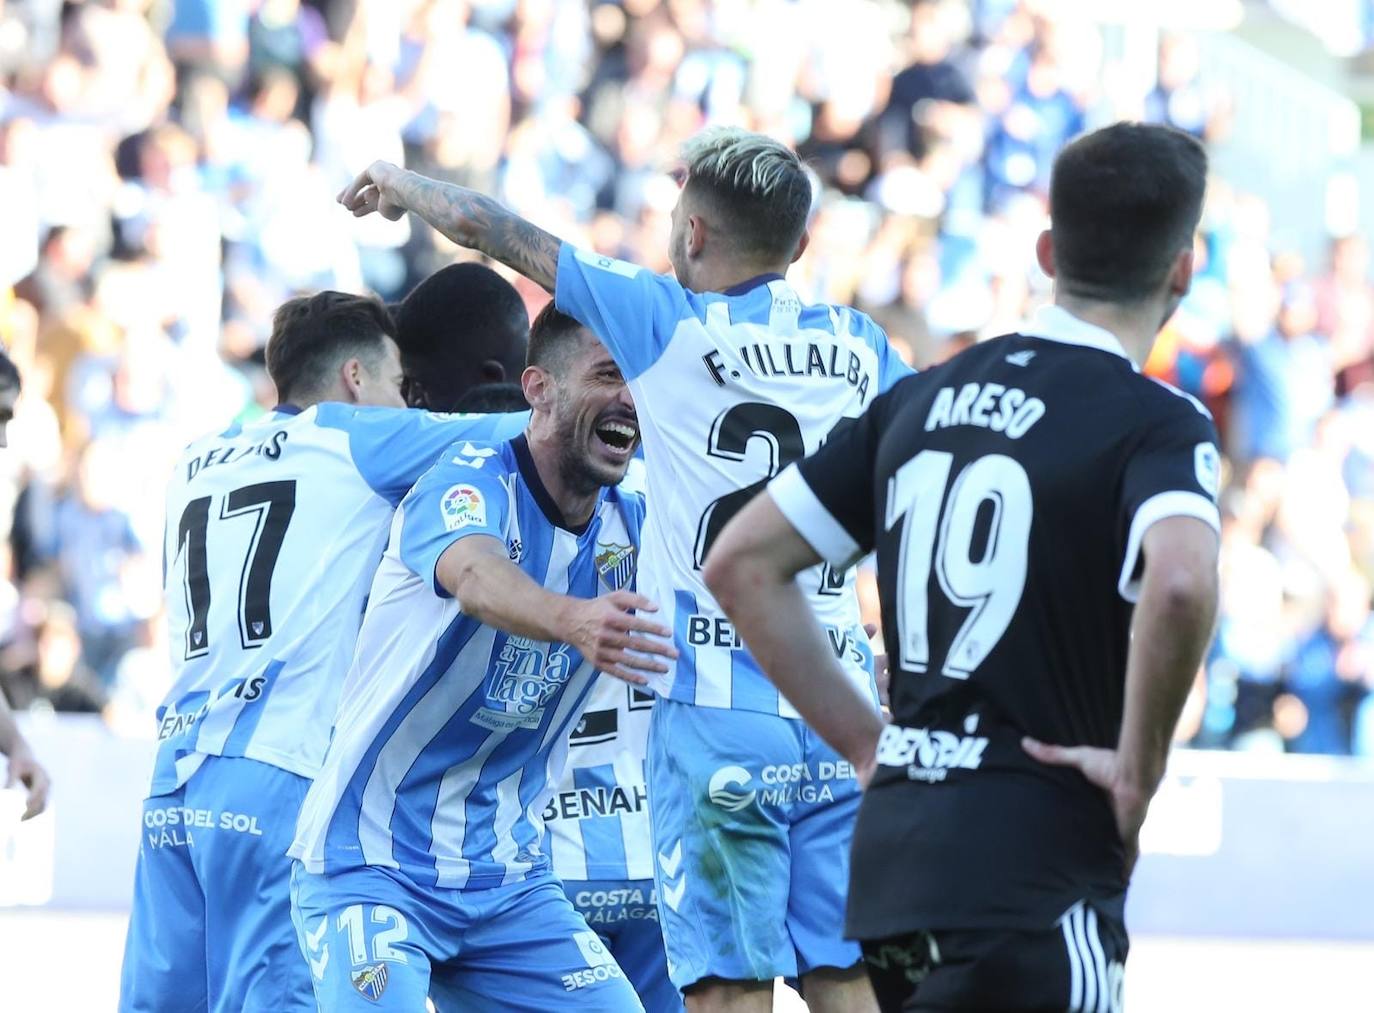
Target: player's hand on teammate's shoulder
374,190
25,769
1101,767
614,639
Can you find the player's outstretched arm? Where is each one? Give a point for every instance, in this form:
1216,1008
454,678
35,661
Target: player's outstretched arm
1169,635
465,216
606,631
752,572
24,768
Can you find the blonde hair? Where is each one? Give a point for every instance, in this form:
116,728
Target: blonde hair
741,160
759,185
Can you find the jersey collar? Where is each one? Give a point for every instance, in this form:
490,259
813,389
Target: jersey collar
525,461
1054,323
753,283
287,409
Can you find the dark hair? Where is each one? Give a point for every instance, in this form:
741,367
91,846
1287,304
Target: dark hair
756,189
493,397
312,335
454,326
551,336
1124,200
9,373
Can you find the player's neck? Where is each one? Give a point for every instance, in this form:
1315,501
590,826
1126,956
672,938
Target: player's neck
575,505
721,276
1135,326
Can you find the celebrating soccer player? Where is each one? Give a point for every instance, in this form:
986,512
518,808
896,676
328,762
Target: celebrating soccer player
735,378
1046,528
274,529
504,590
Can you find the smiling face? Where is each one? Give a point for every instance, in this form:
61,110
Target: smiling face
594,415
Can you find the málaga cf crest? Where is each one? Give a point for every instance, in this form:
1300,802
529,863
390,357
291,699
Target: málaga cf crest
371,981
615,564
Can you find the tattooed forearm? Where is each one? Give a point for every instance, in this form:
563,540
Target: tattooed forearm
478,222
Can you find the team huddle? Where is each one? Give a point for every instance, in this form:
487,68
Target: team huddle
568,704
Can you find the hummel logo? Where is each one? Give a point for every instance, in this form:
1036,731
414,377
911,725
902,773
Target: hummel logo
1021,358
313,940
672,895
669,863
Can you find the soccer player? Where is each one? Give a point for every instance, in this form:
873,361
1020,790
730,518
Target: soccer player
462,327
1046,529
598,818
274,529
735,378
23,767
421,870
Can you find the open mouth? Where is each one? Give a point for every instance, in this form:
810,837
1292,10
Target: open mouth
618,436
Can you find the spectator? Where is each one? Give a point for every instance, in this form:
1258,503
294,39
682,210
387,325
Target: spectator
1283,381
171,168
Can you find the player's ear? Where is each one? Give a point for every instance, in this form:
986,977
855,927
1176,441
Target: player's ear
538,386
696,235
1044,253
351,373
1181,276
492,371
802,244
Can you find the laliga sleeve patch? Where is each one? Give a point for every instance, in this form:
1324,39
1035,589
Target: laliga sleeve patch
1207,464
463,507
620,267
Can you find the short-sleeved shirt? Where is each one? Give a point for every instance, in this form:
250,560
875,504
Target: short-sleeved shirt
730,388
451,734
274,529
598,819
1007,493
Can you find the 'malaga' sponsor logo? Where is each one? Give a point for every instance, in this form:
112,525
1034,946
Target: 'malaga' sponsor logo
733,789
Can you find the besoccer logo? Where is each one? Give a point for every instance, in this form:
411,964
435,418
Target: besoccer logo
726,789
601,966
371,981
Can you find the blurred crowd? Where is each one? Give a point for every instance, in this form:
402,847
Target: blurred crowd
171,167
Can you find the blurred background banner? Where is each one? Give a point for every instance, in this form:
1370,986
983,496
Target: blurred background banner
170,166
1233,849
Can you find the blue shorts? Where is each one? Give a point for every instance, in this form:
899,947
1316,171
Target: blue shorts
376,940
623,913
211,922
752,819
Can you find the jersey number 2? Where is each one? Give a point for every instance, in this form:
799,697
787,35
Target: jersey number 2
272,504
729,439
995,487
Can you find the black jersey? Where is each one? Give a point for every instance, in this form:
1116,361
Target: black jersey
1006,492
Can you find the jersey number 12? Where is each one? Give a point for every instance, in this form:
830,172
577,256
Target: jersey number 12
990,586
271,504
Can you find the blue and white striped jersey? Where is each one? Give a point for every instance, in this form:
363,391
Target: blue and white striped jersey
598,819
274,529
730,388
451,735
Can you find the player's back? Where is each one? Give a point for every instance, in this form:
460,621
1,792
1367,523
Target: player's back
274,529
1011,490
730,388
598,819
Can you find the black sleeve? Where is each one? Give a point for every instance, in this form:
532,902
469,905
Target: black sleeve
1175,470
829,497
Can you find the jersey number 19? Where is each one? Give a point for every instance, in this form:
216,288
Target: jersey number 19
993,490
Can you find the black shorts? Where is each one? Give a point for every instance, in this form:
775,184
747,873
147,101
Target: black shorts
1077,966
